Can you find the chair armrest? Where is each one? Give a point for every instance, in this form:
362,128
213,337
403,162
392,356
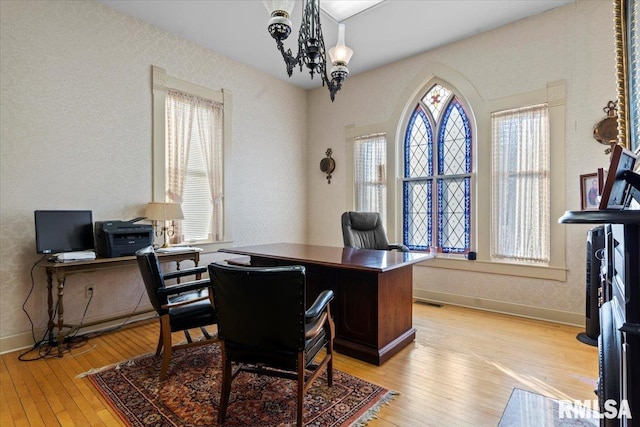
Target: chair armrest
185,302
184,272
313,329
319,305
185,287
401,248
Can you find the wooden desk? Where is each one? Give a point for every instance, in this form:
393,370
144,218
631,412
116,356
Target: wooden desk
63,269
373,291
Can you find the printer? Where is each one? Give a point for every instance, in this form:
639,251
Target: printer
122,238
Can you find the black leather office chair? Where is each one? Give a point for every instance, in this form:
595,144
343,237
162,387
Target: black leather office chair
265,329
365,230
181,307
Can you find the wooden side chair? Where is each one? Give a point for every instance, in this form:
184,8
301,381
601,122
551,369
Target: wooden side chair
265,328
181,307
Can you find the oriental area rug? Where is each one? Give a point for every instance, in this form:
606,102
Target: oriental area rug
190,394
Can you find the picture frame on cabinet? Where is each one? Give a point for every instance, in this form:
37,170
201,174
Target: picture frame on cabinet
616,193
589,192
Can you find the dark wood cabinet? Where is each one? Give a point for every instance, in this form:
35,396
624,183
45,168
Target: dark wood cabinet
620,377
619,340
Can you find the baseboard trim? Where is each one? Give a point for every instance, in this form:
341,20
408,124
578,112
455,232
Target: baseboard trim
520,310
24,340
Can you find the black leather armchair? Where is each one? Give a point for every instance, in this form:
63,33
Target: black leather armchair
265,329
365,230
181,307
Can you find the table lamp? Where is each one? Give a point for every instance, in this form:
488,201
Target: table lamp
163,212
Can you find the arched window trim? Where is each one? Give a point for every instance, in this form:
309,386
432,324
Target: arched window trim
436,132
480,110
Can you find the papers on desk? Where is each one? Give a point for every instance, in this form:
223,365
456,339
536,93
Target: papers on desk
174,249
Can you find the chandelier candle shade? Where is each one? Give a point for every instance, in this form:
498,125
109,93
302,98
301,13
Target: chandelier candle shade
311,50
163,212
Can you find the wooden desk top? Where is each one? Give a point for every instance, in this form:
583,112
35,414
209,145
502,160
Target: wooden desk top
348,258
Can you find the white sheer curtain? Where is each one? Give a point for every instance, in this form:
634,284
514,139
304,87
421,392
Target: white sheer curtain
520,185
193,138
370,157
179,120
210,130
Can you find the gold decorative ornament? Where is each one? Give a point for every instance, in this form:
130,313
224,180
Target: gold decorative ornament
627,43
606,130
328,165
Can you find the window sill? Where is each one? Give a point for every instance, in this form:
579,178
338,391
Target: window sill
537,272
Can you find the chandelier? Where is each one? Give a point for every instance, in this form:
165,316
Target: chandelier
311,51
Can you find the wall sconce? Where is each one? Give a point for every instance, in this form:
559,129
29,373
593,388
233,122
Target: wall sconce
328,165
163,212
606,130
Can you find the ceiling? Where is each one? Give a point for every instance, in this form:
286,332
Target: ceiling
385,33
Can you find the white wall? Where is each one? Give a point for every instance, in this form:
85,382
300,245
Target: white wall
75,118
574,43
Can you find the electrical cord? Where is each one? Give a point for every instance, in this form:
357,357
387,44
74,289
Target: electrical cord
33,283
45,348
84,314
37,344
123,324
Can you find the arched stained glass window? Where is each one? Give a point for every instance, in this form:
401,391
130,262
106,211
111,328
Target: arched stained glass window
437,174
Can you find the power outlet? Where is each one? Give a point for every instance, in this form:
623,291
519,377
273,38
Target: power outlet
88,291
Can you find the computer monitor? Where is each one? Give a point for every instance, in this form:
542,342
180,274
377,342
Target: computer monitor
621,182
63,231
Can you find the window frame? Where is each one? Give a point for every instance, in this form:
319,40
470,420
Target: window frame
161,82
554,94
351,133
436,178
498,178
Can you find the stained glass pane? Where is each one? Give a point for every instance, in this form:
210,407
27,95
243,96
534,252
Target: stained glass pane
418,146
454,204
417,214
454,142
436,99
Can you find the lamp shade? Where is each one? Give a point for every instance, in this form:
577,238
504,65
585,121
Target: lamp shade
340,53
157,211
282,5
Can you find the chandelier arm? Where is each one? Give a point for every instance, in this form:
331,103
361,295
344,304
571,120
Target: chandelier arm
289,60
307,36
333,85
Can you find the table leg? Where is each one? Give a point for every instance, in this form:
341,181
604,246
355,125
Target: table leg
61,279
178,268
196,260
50,324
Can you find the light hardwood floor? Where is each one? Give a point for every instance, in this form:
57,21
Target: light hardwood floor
460,371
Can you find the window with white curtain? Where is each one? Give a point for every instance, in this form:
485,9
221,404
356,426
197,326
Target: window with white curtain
520,185
191,145
370,180
194,165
